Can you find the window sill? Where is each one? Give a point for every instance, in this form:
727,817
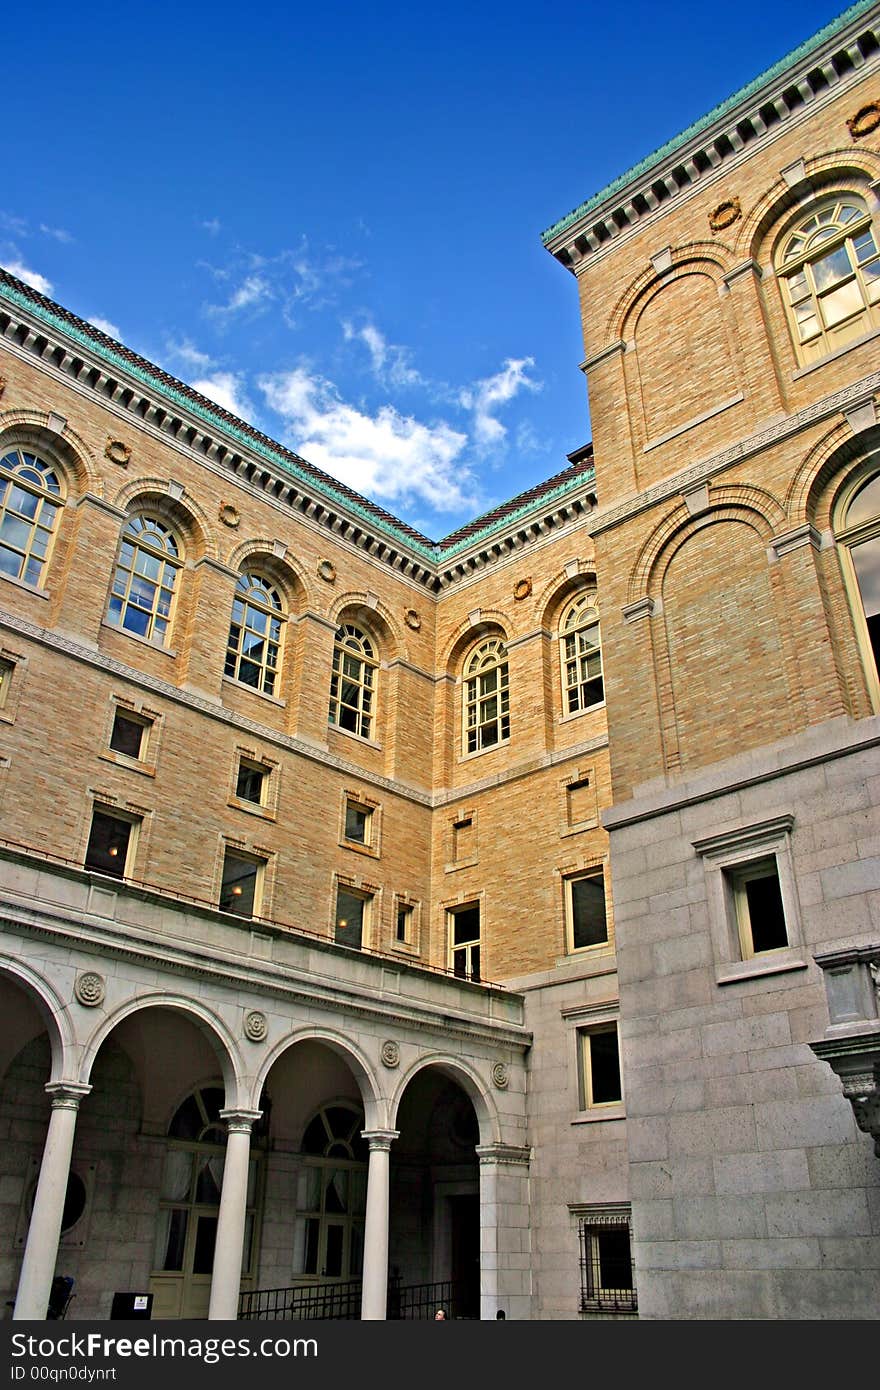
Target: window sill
251,808
833,356
358,738
460,864
405,948
142,641
756,967
580,827
579,713
596,1116
28,588
252,690
370,851
482,752
130,764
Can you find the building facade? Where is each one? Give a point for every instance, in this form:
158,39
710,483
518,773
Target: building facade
316,995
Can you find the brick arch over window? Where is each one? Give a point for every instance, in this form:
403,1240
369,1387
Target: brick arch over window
685,354
285,571
490,623
67,450
845,170
182,514
374,617
723,644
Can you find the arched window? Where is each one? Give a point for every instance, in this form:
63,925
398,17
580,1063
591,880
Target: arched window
486,705
829,270
30,500
581,654
353,683
858,530
142,595
331,1195
253,652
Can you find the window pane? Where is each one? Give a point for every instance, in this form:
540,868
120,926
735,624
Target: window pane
238,888
766,916
615,1263
589,925
127,736
604,1067
841,303
356,820
108,844
349,929
831,268
249,784
466,925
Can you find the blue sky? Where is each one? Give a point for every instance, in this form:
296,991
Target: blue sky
329,220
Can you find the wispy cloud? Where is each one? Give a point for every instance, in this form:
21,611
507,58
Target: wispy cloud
9,222
385,455
487,396
251,293
390,361
30,277
212,225
57,233
296,278
106,327
227,389
188,353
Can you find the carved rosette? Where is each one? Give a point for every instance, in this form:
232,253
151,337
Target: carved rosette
90,989
256,1027
390,1053
725,214
500,1077
117,452
327,571
229,515
865,121
412,619
522,588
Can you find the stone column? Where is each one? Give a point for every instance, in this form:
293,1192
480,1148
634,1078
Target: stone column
374,1295
44,1231
226,1276
505,1239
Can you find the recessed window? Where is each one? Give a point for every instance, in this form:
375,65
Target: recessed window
353,682
358,823
829,273
147,565
6,671
251,782
581,655
129,734
404,930
352,912
600,1066
607,1283
30,504
486,704
241,883
760,914
464,839
464,941
111,843
253,651
858,530
585,910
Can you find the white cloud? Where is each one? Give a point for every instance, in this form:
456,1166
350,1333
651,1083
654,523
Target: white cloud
253,291
226,389
30,277
106,327
386,456
58,233
212,225
390,361
188,352
485,397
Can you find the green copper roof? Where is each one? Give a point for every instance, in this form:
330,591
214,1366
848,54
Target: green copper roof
709,119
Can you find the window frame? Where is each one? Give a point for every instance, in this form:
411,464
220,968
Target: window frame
847,538
356,645
585,605
789,266
145,724
274,612
570,878
15,476
260,864
367,897
469,947
134,822
586,1081
171,562
488,658
596,1298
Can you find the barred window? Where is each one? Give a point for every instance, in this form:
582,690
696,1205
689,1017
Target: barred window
607,1282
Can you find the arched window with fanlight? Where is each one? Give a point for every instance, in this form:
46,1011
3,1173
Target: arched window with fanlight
253,651
331,1195
828,266
353,682
858,532
486,702
147,566
30,502
581,655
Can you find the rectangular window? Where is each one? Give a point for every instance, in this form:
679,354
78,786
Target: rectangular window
6,670
111,843
757,899
585,910
129,734
464,941
358,823
600,1067
241,884
352,912
463,839
607,1283
580,801
404,928
251,782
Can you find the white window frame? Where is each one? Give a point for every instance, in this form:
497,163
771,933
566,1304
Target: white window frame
728,856
570,878
260,863
795,264
170,556
18,465
453,910
111,812
488,658
354,644
579,616
255,594
847,538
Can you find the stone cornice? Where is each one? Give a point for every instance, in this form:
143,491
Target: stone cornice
774,433
755,116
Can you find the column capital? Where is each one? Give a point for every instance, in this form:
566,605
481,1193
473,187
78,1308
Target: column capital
240,1121
66,1095
490,1154
380,1138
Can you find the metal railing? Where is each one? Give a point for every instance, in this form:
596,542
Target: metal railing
308,1302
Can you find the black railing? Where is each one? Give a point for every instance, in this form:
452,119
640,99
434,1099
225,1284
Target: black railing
406,1302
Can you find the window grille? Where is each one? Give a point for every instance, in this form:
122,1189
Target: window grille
607,1283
